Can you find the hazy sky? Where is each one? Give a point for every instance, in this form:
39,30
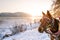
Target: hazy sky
28,6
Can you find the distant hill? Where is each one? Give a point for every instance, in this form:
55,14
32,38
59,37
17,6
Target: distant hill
16,14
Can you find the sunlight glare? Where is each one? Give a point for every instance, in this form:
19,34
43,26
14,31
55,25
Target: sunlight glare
35,9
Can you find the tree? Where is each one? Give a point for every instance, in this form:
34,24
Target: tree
56,8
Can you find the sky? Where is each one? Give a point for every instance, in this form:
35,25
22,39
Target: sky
34,7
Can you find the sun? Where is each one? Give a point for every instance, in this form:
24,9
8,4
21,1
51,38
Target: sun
42,8
35,9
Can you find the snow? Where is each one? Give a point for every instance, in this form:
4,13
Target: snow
29,35
30,31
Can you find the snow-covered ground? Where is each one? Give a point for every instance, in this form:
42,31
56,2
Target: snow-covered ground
29,35
30,31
